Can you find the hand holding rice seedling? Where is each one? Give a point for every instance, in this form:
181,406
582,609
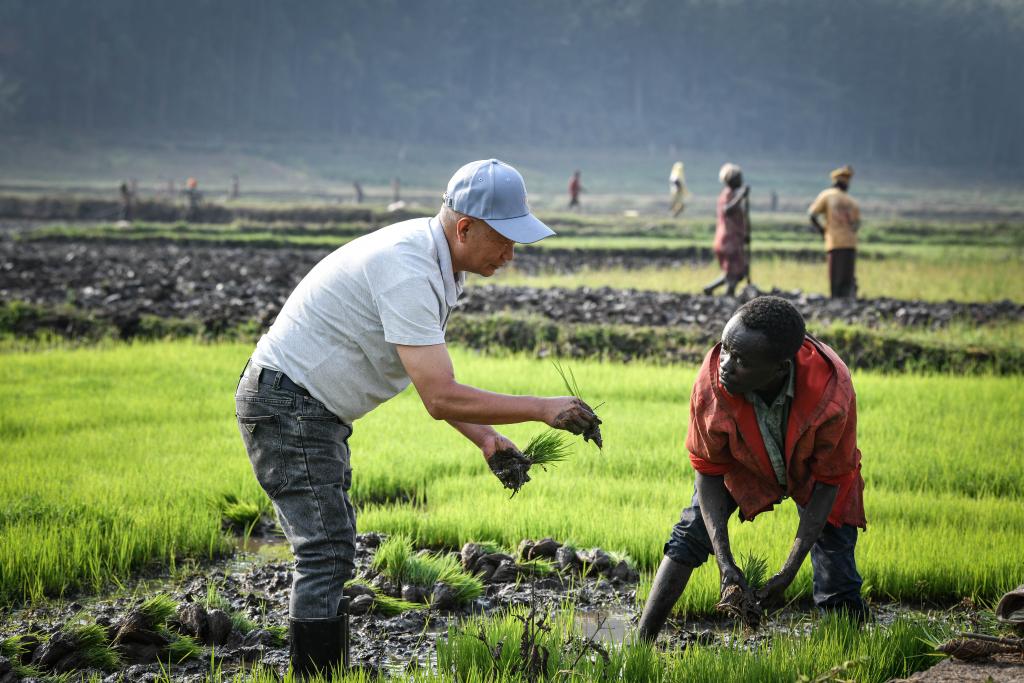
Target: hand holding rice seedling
580,418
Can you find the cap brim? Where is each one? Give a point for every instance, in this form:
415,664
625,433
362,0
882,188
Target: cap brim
523,229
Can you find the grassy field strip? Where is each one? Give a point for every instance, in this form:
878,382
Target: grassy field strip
958,278
112,455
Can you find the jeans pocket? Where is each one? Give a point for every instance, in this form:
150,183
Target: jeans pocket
323,444
262,437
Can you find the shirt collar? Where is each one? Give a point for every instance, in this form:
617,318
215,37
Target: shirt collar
789,393
453,284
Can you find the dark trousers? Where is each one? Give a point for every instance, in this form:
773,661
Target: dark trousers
836,581
299,454
842,264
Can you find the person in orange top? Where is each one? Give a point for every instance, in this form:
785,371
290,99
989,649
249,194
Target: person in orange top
842,220
773,415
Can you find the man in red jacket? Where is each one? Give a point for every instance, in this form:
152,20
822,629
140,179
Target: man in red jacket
773,415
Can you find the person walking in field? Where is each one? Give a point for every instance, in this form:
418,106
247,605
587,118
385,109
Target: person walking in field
575,187
773,415
365,322
677,186
732,230
842,220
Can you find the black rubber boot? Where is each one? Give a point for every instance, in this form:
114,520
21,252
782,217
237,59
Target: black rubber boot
668,585
320,646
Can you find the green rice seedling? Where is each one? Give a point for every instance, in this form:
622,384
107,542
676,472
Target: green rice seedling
467,588
279,634
538,566
392,557
94,647
755,569
181,647
158,609
214,600
238,514
241,622
548,448
390,607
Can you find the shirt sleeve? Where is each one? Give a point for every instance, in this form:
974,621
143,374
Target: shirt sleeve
410,313
836,458
708,447
819,204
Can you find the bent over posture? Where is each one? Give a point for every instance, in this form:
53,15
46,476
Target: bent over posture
772,416
367,320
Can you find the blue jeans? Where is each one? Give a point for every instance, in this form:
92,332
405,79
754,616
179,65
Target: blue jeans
836,580
299,453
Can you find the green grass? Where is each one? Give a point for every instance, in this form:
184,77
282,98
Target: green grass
952,274
110,455
395,559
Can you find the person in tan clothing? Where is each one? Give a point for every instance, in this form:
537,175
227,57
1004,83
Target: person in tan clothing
842,220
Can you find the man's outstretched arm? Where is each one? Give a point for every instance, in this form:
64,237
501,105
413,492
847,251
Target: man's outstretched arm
713,498
431,371
812,523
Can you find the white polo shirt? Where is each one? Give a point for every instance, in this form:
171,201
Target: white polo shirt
336,333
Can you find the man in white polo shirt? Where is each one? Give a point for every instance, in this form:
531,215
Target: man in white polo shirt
365,321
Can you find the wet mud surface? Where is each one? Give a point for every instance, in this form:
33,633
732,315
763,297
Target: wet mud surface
259,588
226,286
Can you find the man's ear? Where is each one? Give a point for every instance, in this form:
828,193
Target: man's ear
462,228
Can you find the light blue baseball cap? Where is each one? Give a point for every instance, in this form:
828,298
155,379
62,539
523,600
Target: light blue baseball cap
494,192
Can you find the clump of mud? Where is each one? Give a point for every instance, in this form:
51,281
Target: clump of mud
510,467
740,604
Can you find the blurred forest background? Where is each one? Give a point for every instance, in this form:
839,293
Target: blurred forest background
933,83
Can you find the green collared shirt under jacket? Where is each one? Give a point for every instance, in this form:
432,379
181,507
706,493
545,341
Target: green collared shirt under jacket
772,419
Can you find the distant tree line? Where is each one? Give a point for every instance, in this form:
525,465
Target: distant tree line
935,81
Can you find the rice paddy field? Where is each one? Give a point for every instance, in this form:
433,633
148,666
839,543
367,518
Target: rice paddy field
114,457
119,457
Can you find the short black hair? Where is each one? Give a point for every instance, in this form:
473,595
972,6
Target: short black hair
778,320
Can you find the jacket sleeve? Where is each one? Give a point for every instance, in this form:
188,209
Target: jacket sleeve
836,458
708,447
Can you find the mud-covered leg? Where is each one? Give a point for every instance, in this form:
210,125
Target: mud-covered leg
669,583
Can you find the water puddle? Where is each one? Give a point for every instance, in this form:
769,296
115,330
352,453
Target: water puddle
605,626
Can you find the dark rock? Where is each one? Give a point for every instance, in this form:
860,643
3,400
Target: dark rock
524,549
192,621
506,572
140,653
218,627
354,590
470,555
414,593
597,560
59,646
360,605
623,572
545,548
444,597
259,636
567,559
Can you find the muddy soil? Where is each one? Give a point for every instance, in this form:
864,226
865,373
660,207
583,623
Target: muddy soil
226,286
259,589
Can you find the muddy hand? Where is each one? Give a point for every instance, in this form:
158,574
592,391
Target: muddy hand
576,417
510,467
773,593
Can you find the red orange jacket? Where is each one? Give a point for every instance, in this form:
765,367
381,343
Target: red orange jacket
821,437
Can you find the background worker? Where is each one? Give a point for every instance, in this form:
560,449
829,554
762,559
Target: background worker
575,187
842,220
772,416
677,187
367,320
732,231
192,198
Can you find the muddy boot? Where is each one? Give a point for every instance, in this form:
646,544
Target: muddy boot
668,585
319,646
712,286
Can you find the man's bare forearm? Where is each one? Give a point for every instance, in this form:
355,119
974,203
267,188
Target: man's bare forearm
812,523
463,403
478,434
714,508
